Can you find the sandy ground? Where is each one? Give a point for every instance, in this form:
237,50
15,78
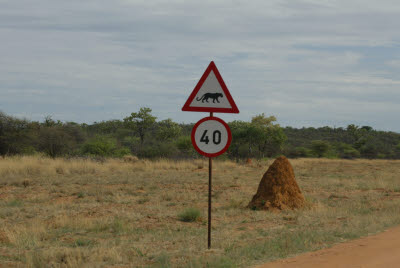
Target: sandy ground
381,250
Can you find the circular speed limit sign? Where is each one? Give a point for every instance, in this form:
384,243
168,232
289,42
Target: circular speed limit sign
211,136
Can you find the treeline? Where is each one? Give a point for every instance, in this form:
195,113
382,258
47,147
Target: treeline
350,142
142,135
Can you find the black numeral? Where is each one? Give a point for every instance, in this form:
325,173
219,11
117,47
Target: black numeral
204,138
216,137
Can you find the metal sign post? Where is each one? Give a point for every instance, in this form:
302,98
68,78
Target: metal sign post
209,196
209,200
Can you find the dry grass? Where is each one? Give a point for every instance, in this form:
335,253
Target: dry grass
74,213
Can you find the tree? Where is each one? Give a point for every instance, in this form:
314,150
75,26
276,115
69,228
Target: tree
269,137
55,141
168,130
346,150
301,152
140,122
99,146
49,122
260,134
366,128
261,120
354,132
319,147
369,150
106,127
184,144
15,135
240,138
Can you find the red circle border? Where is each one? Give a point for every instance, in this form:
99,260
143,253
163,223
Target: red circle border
226,127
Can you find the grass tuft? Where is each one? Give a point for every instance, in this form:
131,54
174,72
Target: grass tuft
83,243
15,203
189,215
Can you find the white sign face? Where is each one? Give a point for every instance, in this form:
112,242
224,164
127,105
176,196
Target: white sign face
211,136
211,94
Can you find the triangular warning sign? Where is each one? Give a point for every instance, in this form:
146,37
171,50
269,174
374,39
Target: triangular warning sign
211,94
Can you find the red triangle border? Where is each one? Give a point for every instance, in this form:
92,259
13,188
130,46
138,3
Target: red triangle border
211,67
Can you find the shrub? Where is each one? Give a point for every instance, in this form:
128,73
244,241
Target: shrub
398,147
157,150
122,152
302,152
381,156
351,153
319,147
55,141
189,215
83,243
100,146
369,151
347,151
163,261
184,144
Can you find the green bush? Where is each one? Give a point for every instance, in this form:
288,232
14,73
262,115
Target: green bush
320,147
350,153
162,261
346,150
28,150
302,152
184,143
99,146
166,149
369,151
130,141
381,156
121,152
157,150
189,215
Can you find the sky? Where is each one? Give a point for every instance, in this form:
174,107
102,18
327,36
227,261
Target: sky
307,62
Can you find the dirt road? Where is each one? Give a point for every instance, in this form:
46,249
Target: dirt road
381,250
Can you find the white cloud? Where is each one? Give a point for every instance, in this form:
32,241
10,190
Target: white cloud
94,60
393,63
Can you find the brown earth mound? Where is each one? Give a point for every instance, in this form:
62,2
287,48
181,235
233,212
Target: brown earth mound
278,188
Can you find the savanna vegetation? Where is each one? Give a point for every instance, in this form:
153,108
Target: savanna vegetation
58,212
75,195
142,135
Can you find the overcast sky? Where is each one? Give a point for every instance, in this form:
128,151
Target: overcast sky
309,62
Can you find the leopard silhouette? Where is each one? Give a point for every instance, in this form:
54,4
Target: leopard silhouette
213,96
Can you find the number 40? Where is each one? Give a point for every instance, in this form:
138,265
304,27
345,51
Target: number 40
216,137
